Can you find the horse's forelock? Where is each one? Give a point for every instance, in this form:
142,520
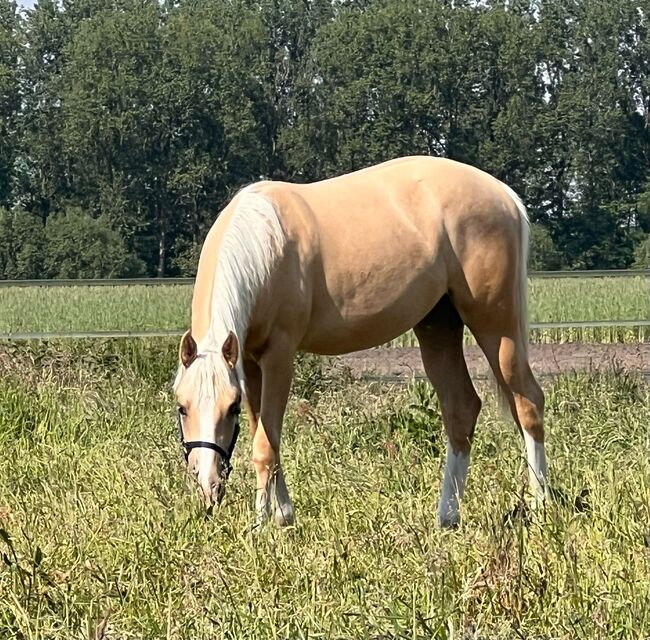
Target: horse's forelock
206,377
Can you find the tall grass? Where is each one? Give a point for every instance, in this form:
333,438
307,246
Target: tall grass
128,308
575,299
103,535
168,307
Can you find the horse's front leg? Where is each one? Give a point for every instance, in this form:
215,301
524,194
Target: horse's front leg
277,370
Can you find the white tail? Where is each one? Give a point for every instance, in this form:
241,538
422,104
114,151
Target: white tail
523,266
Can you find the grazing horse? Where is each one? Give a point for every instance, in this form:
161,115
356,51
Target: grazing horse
346,264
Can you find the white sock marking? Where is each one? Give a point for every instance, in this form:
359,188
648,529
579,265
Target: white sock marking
537,472
453,488
276,490
264,500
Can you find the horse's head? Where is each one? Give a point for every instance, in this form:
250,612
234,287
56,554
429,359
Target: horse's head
208,393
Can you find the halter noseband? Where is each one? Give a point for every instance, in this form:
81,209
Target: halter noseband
204,444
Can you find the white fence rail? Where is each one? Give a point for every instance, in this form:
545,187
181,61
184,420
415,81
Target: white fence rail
55,335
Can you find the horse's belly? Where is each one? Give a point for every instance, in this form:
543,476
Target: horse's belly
373,314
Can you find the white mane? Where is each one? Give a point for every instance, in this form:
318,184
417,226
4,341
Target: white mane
249,250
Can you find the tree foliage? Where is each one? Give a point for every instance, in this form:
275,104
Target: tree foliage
642,254
102,254
22,244
543,254
147,116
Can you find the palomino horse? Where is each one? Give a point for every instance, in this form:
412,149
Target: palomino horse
347,264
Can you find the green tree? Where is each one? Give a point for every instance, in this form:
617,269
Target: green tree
375,88
285,47
149,115
22,245
603,137
43,173
642,207
211,99
111,121
642,253
543,254
9,96
509,94
160,122
80,246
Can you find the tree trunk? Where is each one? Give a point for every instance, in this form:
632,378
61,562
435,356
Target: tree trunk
161,251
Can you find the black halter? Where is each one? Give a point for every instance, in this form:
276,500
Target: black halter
204,444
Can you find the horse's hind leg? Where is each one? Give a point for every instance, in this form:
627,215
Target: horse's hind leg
505,349
440,335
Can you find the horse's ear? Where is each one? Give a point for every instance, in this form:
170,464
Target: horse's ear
188,350
230,350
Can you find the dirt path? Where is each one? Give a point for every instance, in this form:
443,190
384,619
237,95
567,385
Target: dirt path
545,359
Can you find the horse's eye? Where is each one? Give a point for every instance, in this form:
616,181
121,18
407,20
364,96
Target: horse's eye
182,411
234,409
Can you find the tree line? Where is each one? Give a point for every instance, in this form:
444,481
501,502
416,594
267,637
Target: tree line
126,125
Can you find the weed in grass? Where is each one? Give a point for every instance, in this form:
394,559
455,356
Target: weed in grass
418,420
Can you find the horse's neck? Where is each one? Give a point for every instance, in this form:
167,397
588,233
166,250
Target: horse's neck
247,254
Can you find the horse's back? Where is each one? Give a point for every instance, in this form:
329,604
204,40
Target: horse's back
417,200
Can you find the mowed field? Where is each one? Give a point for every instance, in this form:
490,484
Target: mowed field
102,535
141,308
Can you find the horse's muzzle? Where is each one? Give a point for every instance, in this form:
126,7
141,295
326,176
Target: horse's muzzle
213,492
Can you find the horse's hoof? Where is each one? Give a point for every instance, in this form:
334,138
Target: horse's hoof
450,523
285,515
581,503
522,513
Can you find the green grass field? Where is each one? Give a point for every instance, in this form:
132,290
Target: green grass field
103,536
168,307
